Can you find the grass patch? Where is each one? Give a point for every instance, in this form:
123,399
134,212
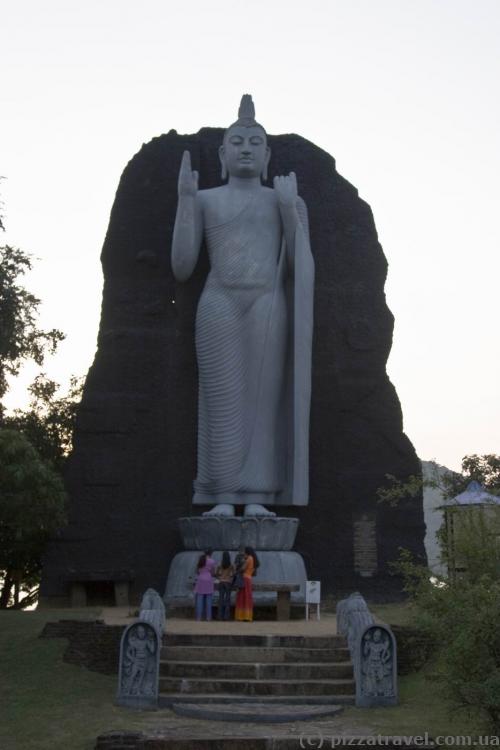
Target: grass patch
422,708
396,613
399,613
46,703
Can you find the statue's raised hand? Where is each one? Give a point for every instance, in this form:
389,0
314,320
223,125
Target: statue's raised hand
188,178
286,190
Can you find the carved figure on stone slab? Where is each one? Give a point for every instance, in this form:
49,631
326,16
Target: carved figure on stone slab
253,325
377,664
139,662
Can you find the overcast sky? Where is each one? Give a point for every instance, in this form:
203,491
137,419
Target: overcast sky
404,94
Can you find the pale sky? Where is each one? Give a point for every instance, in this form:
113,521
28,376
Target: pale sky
404,94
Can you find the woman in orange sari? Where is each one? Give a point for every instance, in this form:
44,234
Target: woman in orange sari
244,598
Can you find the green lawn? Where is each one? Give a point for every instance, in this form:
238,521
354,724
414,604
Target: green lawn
421,709
400,613
394,614
47,703
50,705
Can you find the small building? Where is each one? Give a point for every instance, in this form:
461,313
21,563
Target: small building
473,512
433,473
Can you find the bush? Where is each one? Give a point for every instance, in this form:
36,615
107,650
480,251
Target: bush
462,619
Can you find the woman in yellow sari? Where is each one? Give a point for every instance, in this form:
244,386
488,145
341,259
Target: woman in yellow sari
244,599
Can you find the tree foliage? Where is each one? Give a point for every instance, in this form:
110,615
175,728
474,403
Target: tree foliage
463,620
31,512
49,421
20,337
34,442
1,213
484,469
462,612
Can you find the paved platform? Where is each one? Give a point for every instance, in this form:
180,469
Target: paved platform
325,627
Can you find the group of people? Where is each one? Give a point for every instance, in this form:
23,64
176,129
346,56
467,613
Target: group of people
230,577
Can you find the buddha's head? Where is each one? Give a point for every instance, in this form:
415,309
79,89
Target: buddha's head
244,151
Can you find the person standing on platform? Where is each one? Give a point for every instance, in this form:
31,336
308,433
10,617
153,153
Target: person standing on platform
225,573
210,560
244,597
204,587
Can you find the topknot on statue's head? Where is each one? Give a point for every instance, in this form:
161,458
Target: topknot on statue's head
246,112
246,115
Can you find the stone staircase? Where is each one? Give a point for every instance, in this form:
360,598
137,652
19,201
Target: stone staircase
201,674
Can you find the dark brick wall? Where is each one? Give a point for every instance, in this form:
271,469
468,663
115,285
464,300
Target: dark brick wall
93,645
134,461
121,741
169,740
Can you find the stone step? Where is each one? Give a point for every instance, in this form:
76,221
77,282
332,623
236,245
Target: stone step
167,699
162,739
256,671
257,687
275,713
242,641
255,654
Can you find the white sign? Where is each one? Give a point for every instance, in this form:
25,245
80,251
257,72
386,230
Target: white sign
313,592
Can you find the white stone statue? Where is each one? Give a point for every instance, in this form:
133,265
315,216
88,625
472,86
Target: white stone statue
253,325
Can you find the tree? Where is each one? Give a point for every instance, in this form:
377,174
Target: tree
484,469
33,443
49,421
1,214
20,338
31,511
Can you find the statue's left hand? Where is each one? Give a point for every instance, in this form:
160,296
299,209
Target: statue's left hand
286,190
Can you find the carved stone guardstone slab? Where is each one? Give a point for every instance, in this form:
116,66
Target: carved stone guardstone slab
376,668
152,610
138,674
353,616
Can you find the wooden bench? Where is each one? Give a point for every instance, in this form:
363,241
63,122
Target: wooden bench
283,591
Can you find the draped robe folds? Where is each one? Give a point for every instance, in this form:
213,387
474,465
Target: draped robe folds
253,346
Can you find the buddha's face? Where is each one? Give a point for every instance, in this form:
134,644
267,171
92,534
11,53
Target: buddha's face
245,152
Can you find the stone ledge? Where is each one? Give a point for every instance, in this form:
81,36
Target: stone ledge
276,713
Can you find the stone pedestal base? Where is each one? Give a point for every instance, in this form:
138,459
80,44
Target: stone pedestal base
232,532
275,567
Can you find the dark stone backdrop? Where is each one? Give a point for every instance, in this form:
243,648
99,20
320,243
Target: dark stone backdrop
134,460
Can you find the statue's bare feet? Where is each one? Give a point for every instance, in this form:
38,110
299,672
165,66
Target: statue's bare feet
223,509
254,509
